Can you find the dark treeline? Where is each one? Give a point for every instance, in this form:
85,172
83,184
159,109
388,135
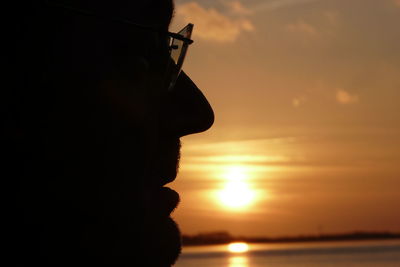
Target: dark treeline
224,238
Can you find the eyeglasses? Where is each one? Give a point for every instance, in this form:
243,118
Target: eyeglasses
178,43
178,46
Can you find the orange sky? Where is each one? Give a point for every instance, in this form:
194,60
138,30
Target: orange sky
306,95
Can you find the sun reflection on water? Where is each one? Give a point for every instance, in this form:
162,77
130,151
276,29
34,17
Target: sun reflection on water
238,258
238,247
238,261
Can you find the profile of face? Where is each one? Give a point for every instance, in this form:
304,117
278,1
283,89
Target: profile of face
110,144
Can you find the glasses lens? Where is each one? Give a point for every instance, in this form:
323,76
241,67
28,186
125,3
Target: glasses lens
178,52
179,47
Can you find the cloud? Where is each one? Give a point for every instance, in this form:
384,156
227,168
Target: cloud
211,24
332,17
302,27
223,159
237,7
278,4
344,97
397,2
298,101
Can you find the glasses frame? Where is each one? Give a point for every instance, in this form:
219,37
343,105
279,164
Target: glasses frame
177,66
174,71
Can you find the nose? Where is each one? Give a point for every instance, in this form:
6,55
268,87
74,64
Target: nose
187,109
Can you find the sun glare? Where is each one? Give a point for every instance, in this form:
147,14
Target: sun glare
238,247
235,173
236,192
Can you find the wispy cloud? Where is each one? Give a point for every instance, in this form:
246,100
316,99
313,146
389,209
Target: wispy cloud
302,27
298,101
344,97
237,7
332,17
278,4
213,25
240,159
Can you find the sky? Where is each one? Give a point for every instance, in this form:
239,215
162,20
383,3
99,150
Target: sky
306,95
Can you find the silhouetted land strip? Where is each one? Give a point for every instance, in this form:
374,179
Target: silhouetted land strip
214,238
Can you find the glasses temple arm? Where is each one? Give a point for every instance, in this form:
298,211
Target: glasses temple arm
180,37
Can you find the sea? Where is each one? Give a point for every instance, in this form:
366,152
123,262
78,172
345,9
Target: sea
311,254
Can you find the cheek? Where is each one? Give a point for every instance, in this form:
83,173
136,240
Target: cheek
129,113
128,92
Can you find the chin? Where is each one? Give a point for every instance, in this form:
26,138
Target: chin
155,236
145,242
157,244
163,243
161,236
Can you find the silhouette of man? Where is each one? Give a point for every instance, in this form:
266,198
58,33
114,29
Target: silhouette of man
91,129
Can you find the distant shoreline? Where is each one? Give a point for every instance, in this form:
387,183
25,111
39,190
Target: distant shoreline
219,238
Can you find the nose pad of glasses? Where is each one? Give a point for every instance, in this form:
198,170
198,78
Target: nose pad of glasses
188,110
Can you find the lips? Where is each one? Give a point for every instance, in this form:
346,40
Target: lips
162,201
169,200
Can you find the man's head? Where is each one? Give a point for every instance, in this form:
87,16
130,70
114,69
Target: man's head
95,132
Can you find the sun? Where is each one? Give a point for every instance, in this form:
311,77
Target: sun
236,192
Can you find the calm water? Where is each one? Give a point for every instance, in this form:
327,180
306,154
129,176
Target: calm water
349,254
